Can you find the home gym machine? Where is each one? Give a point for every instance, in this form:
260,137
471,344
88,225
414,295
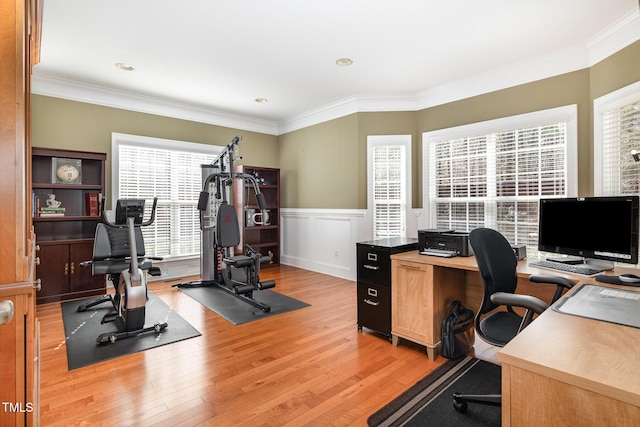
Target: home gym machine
119,253
237,275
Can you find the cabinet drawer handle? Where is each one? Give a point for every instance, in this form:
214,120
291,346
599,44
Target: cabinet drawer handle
73,267
66,268
373,303
372,292
415,267
371,267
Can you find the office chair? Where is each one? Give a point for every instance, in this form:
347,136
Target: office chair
497,264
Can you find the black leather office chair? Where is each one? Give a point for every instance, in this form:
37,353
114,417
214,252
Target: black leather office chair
497,264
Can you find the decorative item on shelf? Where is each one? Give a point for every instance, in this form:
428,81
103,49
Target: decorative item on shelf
66,171
260,218
260,180
53,209
248,214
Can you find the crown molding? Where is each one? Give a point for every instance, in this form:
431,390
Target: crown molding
623,33
82,92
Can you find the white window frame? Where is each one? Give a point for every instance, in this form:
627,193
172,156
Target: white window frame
118,139
566,114
389,140
611,101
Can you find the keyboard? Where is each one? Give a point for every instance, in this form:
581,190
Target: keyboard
439,252
580,269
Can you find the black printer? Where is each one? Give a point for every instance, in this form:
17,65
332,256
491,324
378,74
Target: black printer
443,242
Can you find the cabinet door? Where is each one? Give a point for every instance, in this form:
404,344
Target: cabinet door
54,270
81,279
412,301
17,373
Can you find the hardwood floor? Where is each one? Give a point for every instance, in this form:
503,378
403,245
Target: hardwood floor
306,367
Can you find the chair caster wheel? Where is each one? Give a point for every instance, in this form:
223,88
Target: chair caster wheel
460,405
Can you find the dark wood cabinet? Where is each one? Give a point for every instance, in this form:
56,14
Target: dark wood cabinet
262,234
61,274
66,240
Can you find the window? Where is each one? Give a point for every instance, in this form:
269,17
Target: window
389,166
616,134
145,168
492,174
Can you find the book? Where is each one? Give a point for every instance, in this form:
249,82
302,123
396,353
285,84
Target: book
92,204
51,214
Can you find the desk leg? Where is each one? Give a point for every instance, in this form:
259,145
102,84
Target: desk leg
394,340
432,352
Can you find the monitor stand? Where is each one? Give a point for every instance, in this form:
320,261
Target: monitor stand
567,260
598,264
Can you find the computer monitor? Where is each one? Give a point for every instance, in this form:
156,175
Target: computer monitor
126,208
593,228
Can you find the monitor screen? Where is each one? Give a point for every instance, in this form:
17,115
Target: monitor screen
126,208
603,228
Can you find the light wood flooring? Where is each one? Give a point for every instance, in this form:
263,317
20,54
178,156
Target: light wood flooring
306,367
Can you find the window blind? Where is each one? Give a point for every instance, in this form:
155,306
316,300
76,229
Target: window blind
389,190
495,179
621,135
173,176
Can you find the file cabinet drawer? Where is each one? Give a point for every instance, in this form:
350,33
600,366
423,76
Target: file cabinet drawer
374,308
374,266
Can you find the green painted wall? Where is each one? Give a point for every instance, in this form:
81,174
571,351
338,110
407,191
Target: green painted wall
318,165
565,89
324,166
59,123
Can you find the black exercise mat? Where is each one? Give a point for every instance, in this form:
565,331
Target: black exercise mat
430,401
82,328
237,311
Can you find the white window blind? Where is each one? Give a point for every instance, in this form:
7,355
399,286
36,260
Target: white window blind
620,136
617,133
495,175
389,184
171,171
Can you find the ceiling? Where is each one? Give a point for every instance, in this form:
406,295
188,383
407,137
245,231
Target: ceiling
214,58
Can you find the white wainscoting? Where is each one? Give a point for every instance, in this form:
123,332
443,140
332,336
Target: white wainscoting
323,240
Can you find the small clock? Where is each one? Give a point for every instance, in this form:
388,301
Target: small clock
66,171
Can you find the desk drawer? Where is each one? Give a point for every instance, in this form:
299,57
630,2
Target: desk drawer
374,307
374,266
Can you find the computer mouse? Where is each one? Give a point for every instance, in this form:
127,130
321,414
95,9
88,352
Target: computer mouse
630,278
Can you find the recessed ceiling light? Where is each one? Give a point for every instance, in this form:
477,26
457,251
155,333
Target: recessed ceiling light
125,67
344,62
261,100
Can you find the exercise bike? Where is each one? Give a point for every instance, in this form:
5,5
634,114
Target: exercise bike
238,275
119,253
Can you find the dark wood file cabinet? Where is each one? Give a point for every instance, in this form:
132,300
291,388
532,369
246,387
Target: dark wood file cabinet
374,281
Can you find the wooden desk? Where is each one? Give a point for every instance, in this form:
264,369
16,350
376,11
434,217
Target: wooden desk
561,370
423,288
569,370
